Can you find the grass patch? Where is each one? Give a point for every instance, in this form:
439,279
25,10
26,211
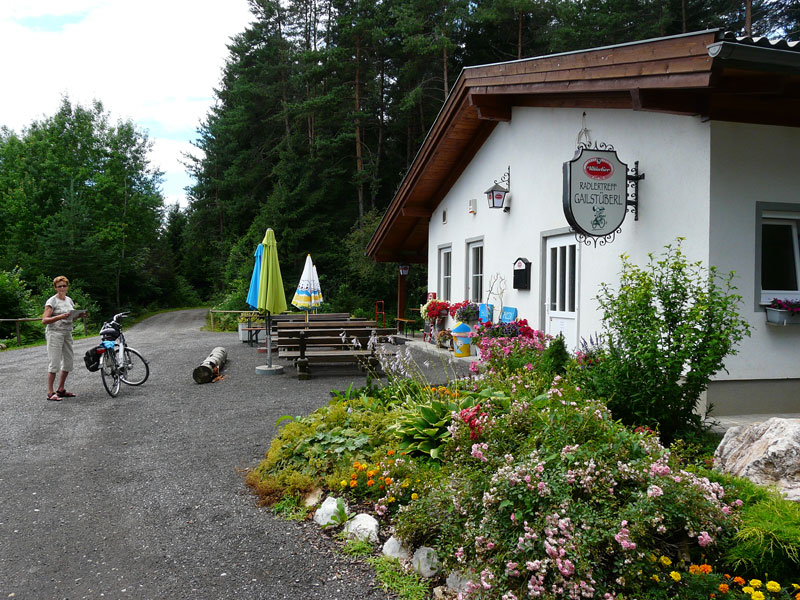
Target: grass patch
290,508
393,578
358,547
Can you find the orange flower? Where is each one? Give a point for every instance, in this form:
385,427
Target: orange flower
694,569
723,587
388,481
738,581
353,475
706,569
353,483
390,452
371,473
370,482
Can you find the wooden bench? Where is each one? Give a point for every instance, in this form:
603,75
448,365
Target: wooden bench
405,324
330,342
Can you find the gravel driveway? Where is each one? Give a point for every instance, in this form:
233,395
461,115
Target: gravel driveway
142,496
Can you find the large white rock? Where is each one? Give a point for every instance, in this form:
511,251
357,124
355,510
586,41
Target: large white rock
393,548
425,561
362,527
766,453
323,515
457,582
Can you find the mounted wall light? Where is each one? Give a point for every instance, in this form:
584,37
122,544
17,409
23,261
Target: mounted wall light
497,194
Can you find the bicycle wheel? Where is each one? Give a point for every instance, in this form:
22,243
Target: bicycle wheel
109,373
136,369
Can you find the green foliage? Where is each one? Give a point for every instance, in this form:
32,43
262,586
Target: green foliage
79,197
422,427
668,329
291,508
555,358
358,547
768,540
15,300
405,585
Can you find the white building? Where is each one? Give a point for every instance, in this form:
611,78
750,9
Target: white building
713,122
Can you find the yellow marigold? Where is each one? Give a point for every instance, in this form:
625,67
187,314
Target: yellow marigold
757,596
343,482
655,578
706,569
353,483
370,482
405,484
675,576
755,583
747,589
391,499
415,496
773,586
664,560
652,558
723,587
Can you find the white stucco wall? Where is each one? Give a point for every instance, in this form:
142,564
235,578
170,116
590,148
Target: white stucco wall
674,199
751,164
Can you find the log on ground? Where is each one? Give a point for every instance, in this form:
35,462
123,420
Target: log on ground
211,366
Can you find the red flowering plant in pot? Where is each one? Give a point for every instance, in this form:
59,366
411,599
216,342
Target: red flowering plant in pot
434,309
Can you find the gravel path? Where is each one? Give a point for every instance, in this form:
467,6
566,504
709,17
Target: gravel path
142,496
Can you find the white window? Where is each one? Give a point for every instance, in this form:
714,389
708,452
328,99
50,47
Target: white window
562,272
780,256
445,272
475,271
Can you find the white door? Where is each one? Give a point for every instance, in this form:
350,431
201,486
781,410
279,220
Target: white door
561,288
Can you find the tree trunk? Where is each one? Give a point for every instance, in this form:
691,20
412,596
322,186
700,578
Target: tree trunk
359,157
211,366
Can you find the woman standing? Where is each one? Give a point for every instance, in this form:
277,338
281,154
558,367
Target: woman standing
58,319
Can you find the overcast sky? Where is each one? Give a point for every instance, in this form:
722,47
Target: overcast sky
155,62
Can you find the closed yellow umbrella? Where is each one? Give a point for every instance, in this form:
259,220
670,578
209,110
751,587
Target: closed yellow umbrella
271,297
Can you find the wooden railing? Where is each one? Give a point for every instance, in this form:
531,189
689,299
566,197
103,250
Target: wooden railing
30,319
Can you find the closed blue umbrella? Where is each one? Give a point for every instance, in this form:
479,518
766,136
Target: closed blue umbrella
255,279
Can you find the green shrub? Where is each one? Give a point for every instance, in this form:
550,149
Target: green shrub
768,540
668,329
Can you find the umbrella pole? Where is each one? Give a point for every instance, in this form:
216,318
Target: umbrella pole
269,339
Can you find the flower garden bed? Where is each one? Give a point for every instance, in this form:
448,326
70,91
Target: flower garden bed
529,488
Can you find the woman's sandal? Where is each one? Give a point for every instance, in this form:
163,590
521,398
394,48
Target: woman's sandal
54,397
65,394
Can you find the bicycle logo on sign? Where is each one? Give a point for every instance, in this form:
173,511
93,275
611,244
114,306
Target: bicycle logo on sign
599,221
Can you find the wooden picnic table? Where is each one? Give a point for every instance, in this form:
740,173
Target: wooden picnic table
330,342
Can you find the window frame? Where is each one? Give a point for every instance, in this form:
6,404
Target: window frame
445,281
472,245
768,213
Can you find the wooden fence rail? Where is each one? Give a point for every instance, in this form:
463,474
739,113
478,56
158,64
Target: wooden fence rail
30,319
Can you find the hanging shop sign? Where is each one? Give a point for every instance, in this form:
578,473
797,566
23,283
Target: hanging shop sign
598,191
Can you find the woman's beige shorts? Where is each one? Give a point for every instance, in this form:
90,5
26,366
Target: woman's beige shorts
59,350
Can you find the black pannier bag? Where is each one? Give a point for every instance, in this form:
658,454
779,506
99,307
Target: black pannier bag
92,359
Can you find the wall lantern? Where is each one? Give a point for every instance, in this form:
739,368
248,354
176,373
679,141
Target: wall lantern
403,270
497,194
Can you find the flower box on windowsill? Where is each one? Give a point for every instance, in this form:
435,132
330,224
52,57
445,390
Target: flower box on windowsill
777,316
